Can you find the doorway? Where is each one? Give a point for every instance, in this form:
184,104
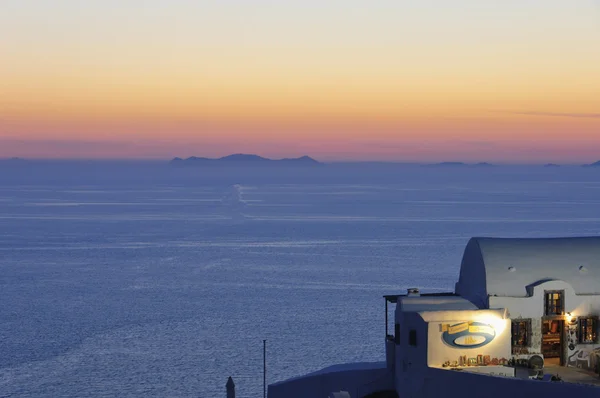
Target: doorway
552,342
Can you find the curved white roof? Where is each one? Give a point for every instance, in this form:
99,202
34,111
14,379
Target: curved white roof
508,267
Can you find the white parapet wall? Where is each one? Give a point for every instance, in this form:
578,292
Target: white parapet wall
446,383
356,379
491,370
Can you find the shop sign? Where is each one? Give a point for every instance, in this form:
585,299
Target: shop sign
468,334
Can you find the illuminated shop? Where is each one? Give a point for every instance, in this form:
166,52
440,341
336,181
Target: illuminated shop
519,305
551,289
447,331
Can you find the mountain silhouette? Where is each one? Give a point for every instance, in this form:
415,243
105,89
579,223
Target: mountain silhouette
242,159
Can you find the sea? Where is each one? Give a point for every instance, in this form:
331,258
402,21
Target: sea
137,279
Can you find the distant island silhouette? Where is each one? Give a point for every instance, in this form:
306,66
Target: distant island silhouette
241,159
252,160
13,160
459,164
452,164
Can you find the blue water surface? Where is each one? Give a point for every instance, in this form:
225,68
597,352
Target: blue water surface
138,279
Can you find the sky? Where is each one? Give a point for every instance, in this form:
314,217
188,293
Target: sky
515,81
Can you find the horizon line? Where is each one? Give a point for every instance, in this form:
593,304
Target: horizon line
338,161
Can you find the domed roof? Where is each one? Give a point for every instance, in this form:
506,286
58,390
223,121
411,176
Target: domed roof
510,267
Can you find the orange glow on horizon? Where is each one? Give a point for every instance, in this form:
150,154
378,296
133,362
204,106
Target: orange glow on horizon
327,82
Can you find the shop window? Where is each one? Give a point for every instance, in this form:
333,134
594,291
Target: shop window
412,338
588,330
554,303
521,333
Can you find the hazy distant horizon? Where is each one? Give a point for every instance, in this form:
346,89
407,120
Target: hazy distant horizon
507,152
399,162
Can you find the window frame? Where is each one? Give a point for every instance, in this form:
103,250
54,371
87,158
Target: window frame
412,338
551,303
594,321
527,325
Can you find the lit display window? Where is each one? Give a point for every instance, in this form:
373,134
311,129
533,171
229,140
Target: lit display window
588,330
521,332
554,303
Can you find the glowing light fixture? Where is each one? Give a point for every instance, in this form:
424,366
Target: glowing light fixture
570,318
497,323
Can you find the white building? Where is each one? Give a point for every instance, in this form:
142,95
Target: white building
445,331
551,289
518,302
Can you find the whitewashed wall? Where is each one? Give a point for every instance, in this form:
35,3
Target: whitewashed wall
533,308
409,357
439,352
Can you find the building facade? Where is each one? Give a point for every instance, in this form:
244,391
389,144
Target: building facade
531,302
551,289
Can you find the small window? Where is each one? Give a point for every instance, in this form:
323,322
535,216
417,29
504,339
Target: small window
588,330
521,333
412,338
397,333
554,303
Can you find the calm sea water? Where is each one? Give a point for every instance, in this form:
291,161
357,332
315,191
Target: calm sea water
142,280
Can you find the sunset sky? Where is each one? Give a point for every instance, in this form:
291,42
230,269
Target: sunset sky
503,81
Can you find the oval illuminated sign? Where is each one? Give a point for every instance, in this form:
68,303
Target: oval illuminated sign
468,334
